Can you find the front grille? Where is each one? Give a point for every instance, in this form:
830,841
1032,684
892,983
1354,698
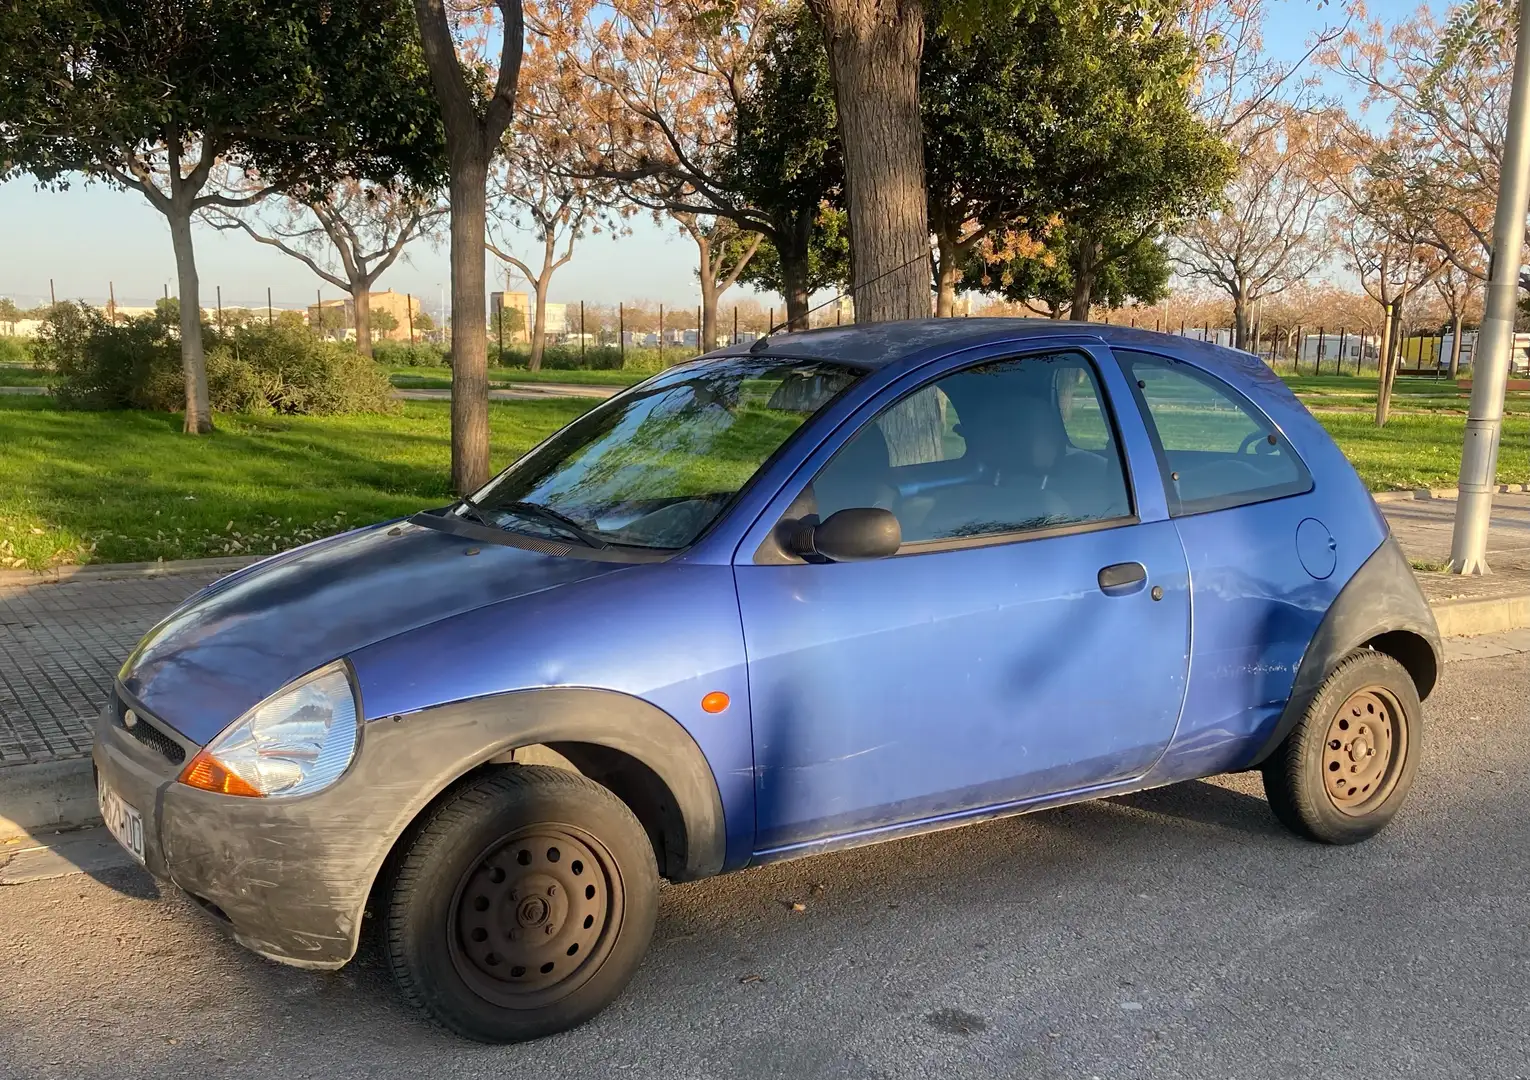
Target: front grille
144,731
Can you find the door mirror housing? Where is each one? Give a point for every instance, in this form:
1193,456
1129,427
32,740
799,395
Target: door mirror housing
854,534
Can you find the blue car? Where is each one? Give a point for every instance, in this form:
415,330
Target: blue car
831,588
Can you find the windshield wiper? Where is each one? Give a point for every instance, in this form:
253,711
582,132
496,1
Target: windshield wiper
471,510
553,517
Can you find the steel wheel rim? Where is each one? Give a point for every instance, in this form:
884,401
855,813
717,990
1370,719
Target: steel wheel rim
534,916
1363,752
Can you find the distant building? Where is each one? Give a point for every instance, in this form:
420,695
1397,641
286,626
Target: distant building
514,301
340,315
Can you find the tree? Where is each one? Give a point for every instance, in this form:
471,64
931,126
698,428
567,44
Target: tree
1444,92
1383,238
1457,291
1136,269
383,322
364,227
475,118
823,263
141,97
1262,237
874,52
723,252
687,109
532,193
9,314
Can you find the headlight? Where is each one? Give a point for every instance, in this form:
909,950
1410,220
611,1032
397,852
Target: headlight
299,740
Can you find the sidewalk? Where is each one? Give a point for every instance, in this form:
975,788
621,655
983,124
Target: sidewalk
61,642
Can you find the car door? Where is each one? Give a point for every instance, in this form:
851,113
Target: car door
1261,545
1029,637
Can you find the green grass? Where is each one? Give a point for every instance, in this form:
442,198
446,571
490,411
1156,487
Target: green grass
440,378
1424,450
1408,395
128,486
22,375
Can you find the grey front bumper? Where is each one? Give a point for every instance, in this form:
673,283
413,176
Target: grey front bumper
291,877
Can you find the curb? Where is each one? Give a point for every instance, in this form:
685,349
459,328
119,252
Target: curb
1424,494
1469,616
112,571
47,796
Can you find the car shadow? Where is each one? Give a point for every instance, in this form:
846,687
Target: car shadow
1207,803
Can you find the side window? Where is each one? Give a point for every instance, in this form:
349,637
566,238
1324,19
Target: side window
1004,447
1219,451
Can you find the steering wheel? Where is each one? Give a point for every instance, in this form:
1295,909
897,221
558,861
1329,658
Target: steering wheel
1261,442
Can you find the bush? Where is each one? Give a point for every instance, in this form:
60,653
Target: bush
101,365
136,364
402,354
15,350
286,370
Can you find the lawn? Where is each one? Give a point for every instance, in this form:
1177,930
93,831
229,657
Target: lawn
127,486
1349,392
440,378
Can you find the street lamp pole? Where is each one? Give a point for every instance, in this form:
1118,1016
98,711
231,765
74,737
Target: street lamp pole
1495,340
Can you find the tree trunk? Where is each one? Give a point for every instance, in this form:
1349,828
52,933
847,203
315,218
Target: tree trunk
470,345
193,360
1455,347
1240,322
708,326
874,49
948,273
1384,371
794,286
539,325
1083,281
361,300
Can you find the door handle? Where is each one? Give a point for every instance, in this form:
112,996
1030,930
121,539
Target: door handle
1122,578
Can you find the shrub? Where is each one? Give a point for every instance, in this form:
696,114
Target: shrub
403,354
136,364
102,365
285,369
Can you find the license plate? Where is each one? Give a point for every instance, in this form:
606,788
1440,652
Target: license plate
122,821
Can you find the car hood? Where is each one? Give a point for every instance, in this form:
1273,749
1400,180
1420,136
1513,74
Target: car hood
248,635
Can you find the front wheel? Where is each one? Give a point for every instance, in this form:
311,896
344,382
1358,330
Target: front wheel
523,906
1348,765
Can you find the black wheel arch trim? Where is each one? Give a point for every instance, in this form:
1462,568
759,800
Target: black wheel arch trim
1381,599
478,731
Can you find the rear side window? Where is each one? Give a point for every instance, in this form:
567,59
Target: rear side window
1217,449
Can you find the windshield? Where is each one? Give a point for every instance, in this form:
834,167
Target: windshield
655,466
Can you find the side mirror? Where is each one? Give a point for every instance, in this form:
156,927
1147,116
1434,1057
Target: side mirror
851,535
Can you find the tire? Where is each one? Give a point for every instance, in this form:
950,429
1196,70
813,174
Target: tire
1317,785
522,906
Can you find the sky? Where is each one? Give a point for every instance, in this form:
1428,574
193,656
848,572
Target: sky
92,238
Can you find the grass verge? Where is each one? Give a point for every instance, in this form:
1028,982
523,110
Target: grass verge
128,486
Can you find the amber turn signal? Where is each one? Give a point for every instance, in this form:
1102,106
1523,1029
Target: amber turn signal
715,702
206,773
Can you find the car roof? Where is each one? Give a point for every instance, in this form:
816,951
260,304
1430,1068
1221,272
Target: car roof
875,345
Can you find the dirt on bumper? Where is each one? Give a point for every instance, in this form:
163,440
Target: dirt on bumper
289,877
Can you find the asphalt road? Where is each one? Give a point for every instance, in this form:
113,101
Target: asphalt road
1178,933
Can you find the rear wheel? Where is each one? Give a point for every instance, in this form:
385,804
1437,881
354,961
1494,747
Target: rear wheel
1348,765
523,906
